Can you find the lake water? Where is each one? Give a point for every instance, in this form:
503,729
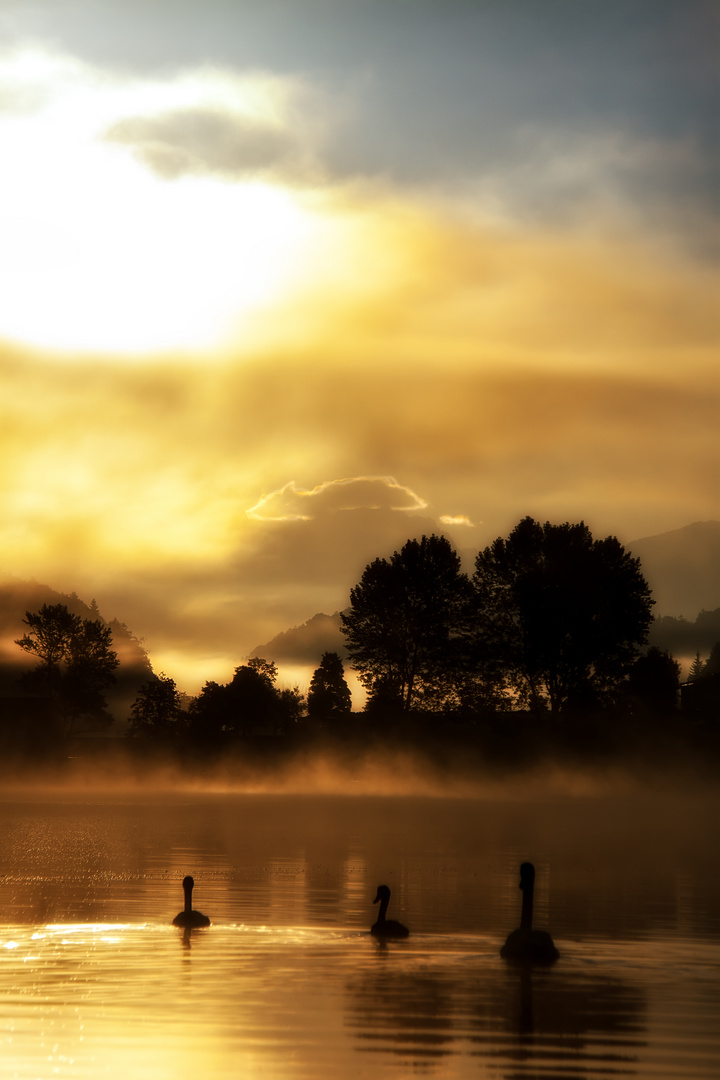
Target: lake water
288,983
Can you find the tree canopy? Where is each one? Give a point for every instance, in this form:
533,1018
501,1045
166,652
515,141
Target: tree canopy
566,614
329,695
75,664
249,702
157,712
653,683
404,628
552,619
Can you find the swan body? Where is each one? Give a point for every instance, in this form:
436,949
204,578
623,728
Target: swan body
525,944
385,928
188,918
531,946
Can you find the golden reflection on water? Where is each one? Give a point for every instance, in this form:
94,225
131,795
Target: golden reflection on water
287,983
147,1000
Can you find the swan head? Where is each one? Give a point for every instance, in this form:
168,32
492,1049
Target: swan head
188,883
383,893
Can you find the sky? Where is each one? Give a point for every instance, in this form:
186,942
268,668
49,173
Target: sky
285,282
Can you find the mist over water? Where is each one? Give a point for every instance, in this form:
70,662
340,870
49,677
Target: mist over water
440,770
287,982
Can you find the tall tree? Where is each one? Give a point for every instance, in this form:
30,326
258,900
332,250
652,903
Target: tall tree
76,664
564,614
329,695
405,625
696,668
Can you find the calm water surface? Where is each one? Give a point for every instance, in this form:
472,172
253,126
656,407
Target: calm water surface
287,983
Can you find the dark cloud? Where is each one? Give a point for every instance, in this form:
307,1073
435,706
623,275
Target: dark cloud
434,93
328,553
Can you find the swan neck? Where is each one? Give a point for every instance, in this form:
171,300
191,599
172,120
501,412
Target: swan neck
383,908
526,916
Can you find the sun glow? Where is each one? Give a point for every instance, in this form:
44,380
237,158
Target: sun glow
97,252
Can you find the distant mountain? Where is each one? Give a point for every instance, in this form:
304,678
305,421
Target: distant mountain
683,568
305,644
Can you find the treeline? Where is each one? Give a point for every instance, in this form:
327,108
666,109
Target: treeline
552,620
685,637
249,706
544,645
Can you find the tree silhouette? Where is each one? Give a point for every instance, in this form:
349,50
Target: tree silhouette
76,665
404,628
696,668
210,715
654,682
248,703
252,696
564,614
156,712
712,664
329,695
266,669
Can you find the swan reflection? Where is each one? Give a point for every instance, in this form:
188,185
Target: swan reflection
476,1007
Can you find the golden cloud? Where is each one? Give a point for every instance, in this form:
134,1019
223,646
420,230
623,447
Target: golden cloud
292,503
456,519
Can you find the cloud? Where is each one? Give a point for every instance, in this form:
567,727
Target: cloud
292,503
456,519
210,142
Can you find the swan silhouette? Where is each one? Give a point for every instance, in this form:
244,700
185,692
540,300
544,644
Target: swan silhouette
386,927
525,944
188,918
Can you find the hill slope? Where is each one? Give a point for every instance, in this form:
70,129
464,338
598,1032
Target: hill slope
17,597
682,568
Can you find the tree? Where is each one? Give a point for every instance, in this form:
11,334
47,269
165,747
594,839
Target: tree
210,715
564,614
329,695
654,682
76,664
290,708
696,668
405,626
249,702
157,712
266,669
712,664
252,696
